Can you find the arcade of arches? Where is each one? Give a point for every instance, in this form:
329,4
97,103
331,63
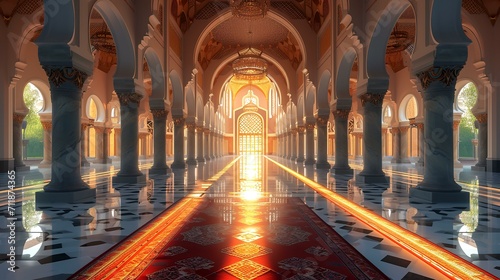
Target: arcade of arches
394,101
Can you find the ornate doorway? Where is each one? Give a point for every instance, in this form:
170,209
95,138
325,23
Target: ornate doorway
250,134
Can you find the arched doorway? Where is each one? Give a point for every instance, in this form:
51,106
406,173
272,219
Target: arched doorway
250,137
32,126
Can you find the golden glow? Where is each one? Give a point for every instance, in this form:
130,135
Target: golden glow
263,85
444,261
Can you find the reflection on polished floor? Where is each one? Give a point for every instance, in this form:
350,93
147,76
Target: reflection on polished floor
55,241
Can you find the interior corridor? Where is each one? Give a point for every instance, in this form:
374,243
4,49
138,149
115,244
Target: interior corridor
60,239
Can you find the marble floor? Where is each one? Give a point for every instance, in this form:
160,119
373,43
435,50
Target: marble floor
54,241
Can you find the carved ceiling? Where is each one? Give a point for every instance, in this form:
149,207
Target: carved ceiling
489,7
234,34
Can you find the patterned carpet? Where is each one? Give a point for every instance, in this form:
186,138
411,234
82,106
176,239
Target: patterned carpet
231,238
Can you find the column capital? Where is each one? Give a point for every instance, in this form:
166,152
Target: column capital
129,97
323,121
191,126
207,131
200,129
395,130
159,113
420,126
482,118
58,75
117,129
83,126
403,129
343,114
107,130
98,129
301,129
373,98
178,120
384,130
47,125
18,118
444,74
456,124
310,126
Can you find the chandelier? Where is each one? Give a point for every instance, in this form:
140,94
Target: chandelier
249,9
249,65
103,40
398,41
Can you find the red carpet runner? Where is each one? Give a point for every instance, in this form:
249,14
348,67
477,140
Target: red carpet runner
230,238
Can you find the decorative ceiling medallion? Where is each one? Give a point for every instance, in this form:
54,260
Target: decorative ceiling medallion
250,65
398,41
249,9
103,40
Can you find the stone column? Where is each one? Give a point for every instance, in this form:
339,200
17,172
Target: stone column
396,143
439,91
309,144
143,137
84,145
199,143
212,145
179,162
129,159
66,184
17,134
372,139
105,146
482,139
322,161
294,144
191,142
421,145
47,145
118,141
384,142
206,143
357,144
456,127
341,143
300,146
403,144
160,144
99,151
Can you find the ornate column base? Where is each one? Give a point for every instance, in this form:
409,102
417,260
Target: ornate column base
372,178
341,170
22,168
129,179
192,161
45,164
493,165
6,165
160,170
309,162
45,197
299,160
478,168
201,160
419,195
323,165
419,164
102,161
85,163
178,165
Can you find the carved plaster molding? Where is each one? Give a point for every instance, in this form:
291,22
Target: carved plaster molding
482,118
58,75
129,97
343,114
373,98
18,118
159,113
445,75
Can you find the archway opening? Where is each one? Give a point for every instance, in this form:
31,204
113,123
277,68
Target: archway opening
467,134
250,137
411,112
32,126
